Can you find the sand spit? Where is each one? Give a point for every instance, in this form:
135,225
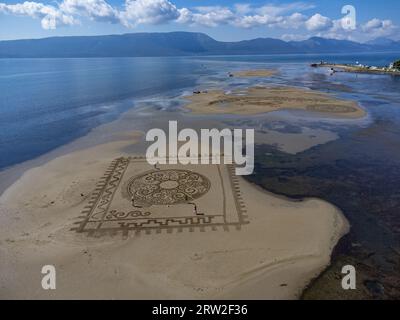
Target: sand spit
358,69
260,246
257,100
254,73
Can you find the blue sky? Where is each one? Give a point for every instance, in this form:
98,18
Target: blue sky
222,19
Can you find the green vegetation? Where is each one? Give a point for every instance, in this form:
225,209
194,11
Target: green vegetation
396,64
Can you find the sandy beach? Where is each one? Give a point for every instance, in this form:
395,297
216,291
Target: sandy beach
95,215
268,247
257,100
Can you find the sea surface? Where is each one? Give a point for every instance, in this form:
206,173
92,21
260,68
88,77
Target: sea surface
45,103
354,164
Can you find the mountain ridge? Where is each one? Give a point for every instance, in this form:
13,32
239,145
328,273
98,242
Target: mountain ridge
177,44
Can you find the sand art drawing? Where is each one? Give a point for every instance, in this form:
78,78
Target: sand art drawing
167,187
134,196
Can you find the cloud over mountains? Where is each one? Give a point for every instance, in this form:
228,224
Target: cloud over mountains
152,12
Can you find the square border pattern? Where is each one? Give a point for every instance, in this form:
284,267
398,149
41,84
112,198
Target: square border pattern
95,221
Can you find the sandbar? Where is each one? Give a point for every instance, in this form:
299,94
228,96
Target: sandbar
257,100
254,73
262,247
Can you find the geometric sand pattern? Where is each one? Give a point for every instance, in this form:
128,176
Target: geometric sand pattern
134,196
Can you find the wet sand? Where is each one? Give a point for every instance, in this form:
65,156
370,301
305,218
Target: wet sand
260,73
278,247
273,255
257,100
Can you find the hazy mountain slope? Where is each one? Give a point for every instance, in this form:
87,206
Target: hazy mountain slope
175,44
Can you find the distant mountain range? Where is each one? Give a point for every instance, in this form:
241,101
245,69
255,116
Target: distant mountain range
178,44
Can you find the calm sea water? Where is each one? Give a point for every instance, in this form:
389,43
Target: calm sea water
45,103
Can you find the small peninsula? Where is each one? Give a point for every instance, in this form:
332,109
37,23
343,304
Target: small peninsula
392,69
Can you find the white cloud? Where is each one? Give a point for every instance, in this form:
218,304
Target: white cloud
294,21
379,28
136,12
372,24
257,20
370,30
185,16
148,12
294,37
276,10
49,15
245,16
94,9
242,9
337,32
271,15
212,16
242,15
318,23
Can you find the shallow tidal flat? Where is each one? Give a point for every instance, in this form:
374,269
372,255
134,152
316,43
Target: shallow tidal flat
365,186
257,100
285,244
261,246
282,246
254,73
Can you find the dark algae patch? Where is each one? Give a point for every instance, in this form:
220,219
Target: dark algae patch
360,174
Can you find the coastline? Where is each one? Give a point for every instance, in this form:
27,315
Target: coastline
265,259
356,69
297,270
111,131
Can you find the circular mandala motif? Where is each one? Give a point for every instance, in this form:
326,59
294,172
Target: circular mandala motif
167,187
